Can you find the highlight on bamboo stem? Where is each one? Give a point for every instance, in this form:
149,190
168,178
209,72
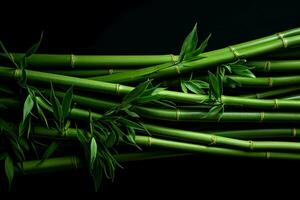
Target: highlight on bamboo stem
238,101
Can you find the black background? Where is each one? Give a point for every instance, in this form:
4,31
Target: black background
153,27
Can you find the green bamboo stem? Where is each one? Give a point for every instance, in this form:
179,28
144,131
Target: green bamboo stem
267,81
201,116
276,65
87,73
51,164
74,162
174,145
228,55
272,93
219,138
259,133
93,61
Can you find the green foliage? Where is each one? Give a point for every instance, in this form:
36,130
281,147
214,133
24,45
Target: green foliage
9,170
49,151
239,68
189,50
93,151
61,110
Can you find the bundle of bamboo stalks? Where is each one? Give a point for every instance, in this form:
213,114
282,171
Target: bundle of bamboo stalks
61,112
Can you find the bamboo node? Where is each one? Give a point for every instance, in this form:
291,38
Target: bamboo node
150,141
173,58
270,82
284,41
262,116
294,132
72,60
110,71
251,145
213,140
268,155
235,53
177,69
267,67
18,74
177,114
222,99
276,106
118,89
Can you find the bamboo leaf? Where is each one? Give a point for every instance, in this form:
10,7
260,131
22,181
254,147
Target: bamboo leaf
189,44
214,85
34,48
93,152
111,140
8,55
202,46
135,93
49,151
242,70
42,115
131,113
216,109
196,53
9,170
67,101
28,105
129,123
165,104
231,82
196,86
56,106
183,87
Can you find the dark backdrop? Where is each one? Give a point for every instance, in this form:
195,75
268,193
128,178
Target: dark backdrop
153,27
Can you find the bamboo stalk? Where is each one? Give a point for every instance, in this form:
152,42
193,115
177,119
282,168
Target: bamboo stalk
272,93
276,65
161,143
259,133
267,81
74,162
202,116
72,61
87,73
